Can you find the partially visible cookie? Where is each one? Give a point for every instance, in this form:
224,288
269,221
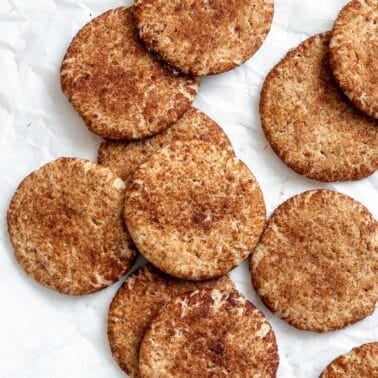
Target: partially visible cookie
66,226
310,124
209,333
360,362
316,264
137,302
354,53
204,37
194,210
119,89
125,157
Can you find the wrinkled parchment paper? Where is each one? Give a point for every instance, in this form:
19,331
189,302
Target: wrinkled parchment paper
44,334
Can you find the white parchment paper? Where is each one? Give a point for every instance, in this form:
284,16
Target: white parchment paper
44,334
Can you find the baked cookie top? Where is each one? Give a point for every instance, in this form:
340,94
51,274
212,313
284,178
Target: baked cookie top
119,89
66,226
354,54
194,210
316,264
209,333
202,37
359,362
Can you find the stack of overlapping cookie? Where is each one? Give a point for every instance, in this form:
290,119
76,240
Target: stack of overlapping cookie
168,184
308,120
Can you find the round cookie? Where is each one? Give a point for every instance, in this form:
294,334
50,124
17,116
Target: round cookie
65,223
137,302
194,210
359,362
309,123
209,333
119,89
316,263
354,54
203,37
125,157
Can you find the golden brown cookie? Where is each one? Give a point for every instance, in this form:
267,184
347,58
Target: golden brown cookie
137,302
194,210
125,157
316,264
360,362
202,37
354,53
65,223
209,333
119,89
310,124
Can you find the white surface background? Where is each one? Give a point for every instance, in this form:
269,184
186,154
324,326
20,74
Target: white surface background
45,334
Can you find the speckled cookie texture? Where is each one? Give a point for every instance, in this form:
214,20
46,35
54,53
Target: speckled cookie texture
194,210
209,333
203,37
354,54
119,89
309,122
137,302
360,362
316,264
66,226
125,157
